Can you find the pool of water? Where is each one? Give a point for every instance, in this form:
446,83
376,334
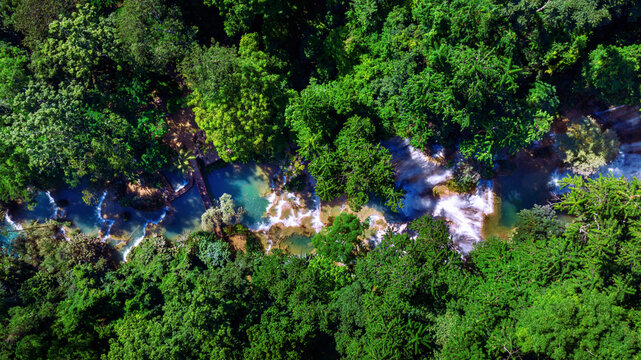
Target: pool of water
7,232
82,215
247,184
40,209
297,244
183,215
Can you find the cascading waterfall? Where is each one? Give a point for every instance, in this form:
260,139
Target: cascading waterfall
54,206
12,223
466,213
135,242
627,165
418,175
105,224
288,210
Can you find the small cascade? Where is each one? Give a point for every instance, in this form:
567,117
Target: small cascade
466,213
609,110
317,223
182,184
132,244
54,206
418,175
6,238
555,181
289,210
105,224
627,165
377,223
12,223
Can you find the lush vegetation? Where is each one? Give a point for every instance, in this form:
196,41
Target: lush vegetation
85,87
84,82
551,291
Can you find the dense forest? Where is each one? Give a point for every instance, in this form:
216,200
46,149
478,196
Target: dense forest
85,90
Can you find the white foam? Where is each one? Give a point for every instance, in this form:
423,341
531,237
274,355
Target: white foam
182,185
466,213
626,165
610,109
12,223
418,174
53,204
135,242
105,223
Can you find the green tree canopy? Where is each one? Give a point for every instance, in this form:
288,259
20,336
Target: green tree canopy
239,98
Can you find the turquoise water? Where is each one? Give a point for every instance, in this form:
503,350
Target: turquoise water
297,244
82,216
42,211
7,233
518,187
522,189
246,184
129,223
184,214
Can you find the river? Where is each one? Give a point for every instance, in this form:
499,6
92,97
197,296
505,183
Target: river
287,220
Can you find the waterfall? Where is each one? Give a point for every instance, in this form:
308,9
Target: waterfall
288,210
53,204
466,213
12,223
609,110
105,224
137,240
418,175
627,165
182,185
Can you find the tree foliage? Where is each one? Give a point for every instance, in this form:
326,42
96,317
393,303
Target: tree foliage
223,213
238,98
586,148
552,290
154,32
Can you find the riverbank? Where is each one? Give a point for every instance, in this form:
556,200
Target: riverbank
277,215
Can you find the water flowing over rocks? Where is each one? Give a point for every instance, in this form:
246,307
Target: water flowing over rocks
276,214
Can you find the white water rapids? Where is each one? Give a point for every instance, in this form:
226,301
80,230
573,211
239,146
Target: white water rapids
286,213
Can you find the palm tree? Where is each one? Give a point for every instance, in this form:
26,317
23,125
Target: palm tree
184,156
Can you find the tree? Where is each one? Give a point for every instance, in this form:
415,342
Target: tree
585,147
154,32
32,17
13,76
79,47
566,321
50,129
350,162
213,252
223,213
615,73
238,99
340,242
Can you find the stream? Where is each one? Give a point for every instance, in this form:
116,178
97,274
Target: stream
287,220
